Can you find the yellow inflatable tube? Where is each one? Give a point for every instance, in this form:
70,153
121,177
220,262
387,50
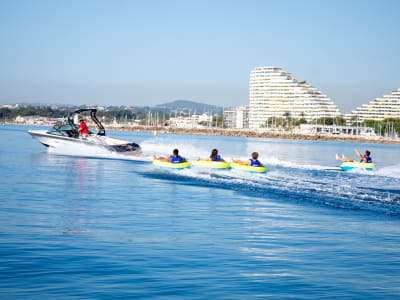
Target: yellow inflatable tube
248,168
211,164
166,164
348,166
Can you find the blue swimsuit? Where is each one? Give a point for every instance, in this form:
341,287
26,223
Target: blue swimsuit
218,158
176,160
254,163
367,159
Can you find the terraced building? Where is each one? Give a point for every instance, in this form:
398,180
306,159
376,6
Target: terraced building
275,93
381,108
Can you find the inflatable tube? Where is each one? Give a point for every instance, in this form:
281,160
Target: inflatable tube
347,166
248,168
166,164
211,164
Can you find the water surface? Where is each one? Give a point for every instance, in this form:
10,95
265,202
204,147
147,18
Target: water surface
82,227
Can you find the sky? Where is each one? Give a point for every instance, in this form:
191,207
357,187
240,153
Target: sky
150,52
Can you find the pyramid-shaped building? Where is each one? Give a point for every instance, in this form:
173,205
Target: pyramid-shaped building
385,107
274,93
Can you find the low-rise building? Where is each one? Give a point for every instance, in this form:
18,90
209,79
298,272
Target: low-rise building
193,121
36,120
237,117
334,129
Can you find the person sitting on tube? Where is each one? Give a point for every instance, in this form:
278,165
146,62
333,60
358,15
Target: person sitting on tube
214,156
175,158
252,162
366,158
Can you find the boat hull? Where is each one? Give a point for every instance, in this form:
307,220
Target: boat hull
92,141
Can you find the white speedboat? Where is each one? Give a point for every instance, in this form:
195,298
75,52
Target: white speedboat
65,134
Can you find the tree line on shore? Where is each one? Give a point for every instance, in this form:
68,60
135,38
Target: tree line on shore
106,115
389,125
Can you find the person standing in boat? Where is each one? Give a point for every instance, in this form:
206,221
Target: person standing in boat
83,130
366,158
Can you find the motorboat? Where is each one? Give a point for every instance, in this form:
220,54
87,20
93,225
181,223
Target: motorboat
65,134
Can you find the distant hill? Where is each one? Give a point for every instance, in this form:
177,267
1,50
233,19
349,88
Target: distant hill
191,106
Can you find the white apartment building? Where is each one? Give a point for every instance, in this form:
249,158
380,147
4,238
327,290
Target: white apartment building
192,121
381,108
237,117
273,92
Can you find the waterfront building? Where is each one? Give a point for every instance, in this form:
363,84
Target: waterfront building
36,120
237,117
193,121
230,118
335,130
275,93
385,107
203,118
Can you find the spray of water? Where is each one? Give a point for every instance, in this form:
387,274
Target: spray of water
355,190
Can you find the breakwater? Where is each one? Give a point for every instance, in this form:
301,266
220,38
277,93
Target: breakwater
258,134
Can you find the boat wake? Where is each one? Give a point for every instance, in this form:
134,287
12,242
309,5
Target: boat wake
303,181
323,187
93,151
285,179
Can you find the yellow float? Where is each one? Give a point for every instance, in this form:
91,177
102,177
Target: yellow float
248,168
350,165
211,164
166,164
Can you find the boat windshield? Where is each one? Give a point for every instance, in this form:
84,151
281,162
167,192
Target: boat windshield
64,130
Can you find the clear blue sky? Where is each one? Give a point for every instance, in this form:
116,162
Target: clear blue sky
150,52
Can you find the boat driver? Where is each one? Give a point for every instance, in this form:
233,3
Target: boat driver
83,130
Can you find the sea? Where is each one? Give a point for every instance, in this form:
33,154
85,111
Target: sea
81,225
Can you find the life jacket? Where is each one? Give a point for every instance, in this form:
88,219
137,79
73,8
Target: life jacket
367,159
254,163
176,160
218,158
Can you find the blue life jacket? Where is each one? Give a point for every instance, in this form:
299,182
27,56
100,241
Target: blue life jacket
367,159
176,160
254,163
218,158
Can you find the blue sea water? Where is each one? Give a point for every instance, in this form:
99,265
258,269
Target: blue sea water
78,227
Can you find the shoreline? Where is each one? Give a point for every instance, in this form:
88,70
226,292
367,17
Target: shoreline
258,134
249,134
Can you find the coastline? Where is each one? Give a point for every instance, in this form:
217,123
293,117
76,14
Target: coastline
259,134
249,133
